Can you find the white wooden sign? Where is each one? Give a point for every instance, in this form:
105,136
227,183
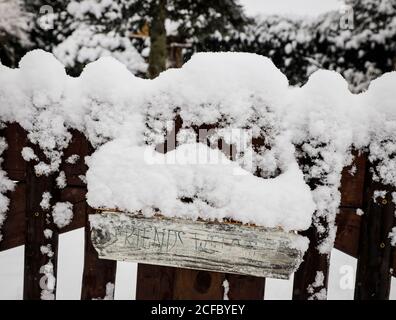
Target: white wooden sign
220,247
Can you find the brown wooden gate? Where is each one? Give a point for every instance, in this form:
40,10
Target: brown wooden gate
362,237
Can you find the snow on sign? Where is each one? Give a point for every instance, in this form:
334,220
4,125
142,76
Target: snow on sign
221,247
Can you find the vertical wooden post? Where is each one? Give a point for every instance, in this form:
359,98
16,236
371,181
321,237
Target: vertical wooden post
245,287
97,272
155,282
13,229
375,252
36,223
313,263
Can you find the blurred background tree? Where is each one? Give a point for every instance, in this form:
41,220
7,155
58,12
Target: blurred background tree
359,40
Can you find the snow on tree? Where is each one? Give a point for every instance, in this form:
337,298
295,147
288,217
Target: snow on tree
81,31
14,28
361,50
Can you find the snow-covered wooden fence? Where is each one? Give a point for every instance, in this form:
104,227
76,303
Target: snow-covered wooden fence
51,122
362,237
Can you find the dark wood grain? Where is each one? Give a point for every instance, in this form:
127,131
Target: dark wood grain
313,262
79,145
245,287
76,196
375,259
198,285
97,272
348,231
352,186
14,226
155,282
36,223
13,163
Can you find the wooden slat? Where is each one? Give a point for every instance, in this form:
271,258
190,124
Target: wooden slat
313,262
348,231
97,272
14,164
13,229
155,282
375,252
204,285
352,186
35,225
76,196
78,145
245,287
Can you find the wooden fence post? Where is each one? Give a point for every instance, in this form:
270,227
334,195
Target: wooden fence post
313,263
373,274
37,220
13,229
97,272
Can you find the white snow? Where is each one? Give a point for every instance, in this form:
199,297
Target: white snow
62,213
379,194
109,292
226,286
48,233
359,212
47,250
61,180
48,281
218,188
313,288
392,236
28,154
14,20
72,159
88,44
45,201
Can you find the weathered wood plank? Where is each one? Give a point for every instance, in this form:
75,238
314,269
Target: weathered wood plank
97,272
373,274
348,231
14,226
198,245
352,184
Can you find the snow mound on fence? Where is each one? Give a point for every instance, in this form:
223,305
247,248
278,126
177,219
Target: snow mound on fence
195,181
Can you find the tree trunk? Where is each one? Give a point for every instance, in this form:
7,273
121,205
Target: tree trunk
158,51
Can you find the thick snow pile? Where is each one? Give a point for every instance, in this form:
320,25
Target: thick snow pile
244,98
211,186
